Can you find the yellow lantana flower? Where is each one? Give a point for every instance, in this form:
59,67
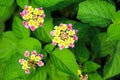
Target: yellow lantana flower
64,27
56,33
37,58
56,39
32,61
30,9
36,11
32,57
71,32
64,35
33,17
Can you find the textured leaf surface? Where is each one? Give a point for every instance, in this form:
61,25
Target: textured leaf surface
22,3
55,74
111,68
40,74
96,12
101,46
29,44
47,3
49,47
6,12
90,67
14,71
81,52
6,2
19,30
114,32
7,46
95,76
65,61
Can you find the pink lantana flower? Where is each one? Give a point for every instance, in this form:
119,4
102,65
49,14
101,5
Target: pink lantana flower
32,60
33,17
64,36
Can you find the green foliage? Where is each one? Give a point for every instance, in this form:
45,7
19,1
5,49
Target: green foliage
48,48
90,67
113,29
95,76
55,74
6,2
14,68
101,46
29,44
19,30
22,4
47,3
96,13
41,74
65,61
7,46
96,53
111,67
81,52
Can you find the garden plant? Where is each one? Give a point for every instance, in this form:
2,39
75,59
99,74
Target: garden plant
59,39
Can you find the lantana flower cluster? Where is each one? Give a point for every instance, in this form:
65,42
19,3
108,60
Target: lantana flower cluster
64,35
32,60
33,17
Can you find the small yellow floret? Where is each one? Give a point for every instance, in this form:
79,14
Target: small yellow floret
71,32
32,57
30,22
36,11
56,39
30,9
37,58
64,27
56,33
70,40
79,72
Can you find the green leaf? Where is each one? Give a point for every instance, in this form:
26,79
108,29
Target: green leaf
63,4
2,68
7,46
40,74
101,46
96,12
90,67
43,33
18,29
47,3
6,12
81,52
65,61
114,29
49,47
6,3
21,3
113,32
55,74
13,70
116,18
111,68
9,35
94,76
2,27
29,44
